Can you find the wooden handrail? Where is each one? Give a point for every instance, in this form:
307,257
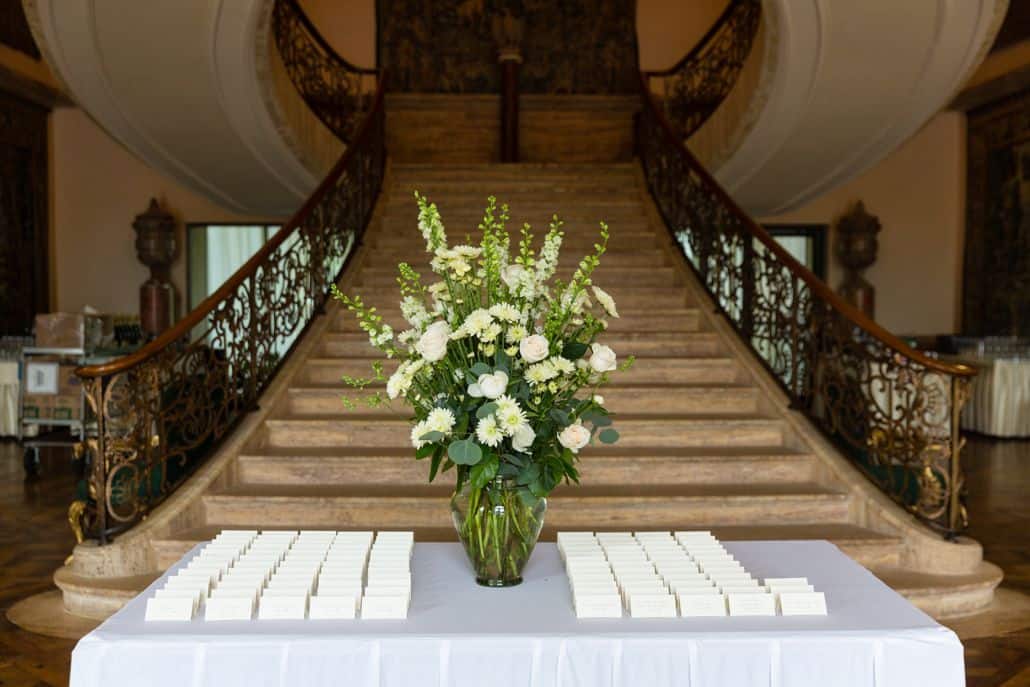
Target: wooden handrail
182,328
817,285
323,43
700,45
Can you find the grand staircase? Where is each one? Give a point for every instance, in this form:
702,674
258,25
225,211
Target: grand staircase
705,444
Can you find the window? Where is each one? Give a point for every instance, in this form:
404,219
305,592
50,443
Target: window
806,242
216,251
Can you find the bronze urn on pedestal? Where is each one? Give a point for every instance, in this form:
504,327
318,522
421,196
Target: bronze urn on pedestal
156,248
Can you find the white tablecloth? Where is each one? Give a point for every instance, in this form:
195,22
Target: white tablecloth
9,384
999,402
459,634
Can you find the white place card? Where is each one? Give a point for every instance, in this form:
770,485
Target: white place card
695,589
791,589
785,581
746,604
742,589
652,606
341,607
251,593
229,608
694,605
286,607
598,605
384,607
170,608
802,603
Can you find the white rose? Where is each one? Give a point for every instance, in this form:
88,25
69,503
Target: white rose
511,274
432,345
522,438
602,358
489,385
534,348
574,437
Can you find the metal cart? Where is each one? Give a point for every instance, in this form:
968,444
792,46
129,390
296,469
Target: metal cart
49,432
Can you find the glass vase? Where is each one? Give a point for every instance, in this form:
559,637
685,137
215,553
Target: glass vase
498,530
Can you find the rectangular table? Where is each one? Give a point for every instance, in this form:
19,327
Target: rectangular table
458,634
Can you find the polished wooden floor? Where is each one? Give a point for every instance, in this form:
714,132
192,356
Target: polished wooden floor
35,539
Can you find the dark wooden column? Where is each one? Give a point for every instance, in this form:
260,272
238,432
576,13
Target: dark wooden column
508,34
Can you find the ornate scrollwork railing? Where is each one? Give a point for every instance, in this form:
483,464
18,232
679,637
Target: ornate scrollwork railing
892,410
337,91
691,90
161,411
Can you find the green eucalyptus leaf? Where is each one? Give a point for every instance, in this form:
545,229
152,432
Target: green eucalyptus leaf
486,410
560,417
608,436
483,472
465,452
597,419
528,497
481,369
432,436
574,350
434,465
426,450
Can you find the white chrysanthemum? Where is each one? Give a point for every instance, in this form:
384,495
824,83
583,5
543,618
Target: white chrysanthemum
477,321
511,419
606,301
440,420
488,432
516,334
491,332
563,365
398,384
417,432
505,312
541,372
505,403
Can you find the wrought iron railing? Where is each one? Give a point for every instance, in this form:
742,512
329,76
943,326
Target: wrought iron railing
892,410
162,411
337,91
693,88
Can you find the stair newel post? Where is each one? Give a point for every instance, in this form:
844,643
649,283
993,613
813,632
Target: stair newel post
508,35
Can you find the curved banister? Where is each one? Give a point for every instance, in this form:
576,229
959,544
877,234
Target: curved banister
698,83
204,309
331,85
692,55
892,410
806,275
161,411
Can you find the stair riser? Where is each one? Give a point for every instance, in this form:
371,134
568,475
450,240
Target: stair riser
594,471
617,399
631,300
372,433
403,238
659,276
610,263
683,320
676,371
565,511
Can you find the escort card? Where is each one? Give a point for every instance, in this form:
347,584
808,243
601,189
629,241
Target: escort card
802,603
751,604
384,607
701,605
229,608
769,581
287,607
341,607
652,606
170,608
598,605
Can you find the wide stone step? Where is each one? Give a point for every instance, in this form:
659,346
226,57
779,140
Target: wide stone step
514,191
639,344
655,320
597,197
866,546
644,507
635,400
613,467
650,257
655,275
370,431
409,172
401,237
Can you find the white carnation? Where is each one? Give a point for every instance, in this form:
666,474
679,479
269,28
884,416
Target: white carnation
477,321
522,438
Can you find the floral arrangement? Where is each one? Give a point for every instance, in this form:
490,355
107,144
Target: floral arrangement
501,366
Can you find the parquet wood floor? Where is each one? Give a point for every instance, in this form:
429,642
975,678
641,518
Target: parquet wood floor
35,539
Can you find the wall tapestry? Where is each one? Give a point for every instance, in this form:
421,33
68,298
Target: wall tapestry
996,284
448,46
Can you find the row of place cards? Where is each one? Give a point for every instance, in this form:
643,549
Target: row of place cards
275,575
669,575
